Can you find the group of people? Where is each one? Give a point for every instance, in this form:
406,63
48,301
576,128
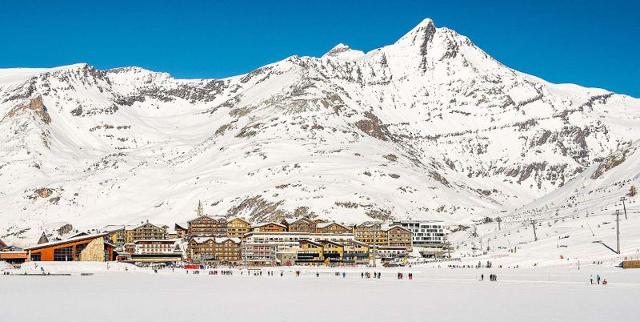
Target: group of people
401,276
368,275
598,280
215,272
492,277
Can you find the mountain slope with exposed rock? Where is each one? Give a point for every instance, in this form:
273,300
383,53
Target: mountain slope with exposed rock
428,127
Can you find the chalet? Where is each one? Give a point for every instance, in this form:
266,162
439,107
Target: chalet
371,234
270,227
181,229
309,253
118,234
356,252
301,225
219,250
333,252
95,247
147,231
333,228
205,226
237,227
399,236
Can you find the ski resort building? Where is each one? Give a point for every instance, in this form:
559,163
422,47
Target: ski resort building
425,233
96,247
237,227
155,251
332,228
205,226
181,229
218,250
156,246
302,225
398,236
148,231
269,227
371,234
262,248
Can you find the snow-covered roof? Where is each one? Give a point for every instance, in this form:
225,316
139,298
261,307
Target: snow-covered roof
267,223
217,240
165,241
57,242
327,224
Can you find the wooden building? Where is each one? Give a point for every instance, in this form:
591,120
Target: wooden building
309,253
205,226
333,252
13,256
94,247
332,228
270,227
356,253
181,229
371,234
237,227
148,231
399,236
300,225
218,250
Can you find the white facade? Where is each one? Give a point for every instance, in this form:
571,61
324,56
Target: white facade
262,247
155,246
424,232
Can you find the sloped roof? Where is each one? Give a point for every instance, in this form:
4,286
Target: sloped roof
268,223
217,240
327,224
58,242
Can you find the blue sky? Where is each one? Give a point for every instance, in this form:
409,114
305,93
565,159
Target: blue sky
592,43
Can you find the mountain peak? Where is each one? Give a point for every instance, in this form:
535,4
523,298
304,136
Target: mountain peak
419,34
343,51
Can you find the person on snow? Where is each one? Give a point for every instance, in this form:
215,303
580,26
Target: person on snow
598,279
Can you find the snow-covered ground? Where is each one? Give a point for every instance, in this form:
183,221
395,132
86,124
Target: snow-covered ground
436,294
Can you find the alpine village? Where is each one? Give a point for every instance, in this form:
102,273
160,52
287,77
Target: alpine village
207,241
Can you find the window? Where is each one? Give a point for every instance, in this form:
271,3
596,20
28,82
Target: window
63,254
35,257
79,249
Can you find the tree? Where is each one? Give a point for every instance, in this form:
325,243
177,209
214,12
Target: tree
632,191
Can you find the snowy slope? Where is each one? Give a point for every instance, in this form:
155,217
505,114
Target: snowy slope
427,127
572,222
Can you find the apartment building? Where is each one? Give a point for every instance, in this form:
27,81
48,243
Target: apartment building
205,226
425,233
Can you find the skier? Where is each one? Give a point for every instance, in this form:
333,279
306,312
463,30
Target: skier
482,277
591,279
598,278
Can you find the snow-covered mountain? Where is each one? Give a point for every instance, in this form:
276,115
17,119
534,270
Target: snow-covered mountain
427,127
